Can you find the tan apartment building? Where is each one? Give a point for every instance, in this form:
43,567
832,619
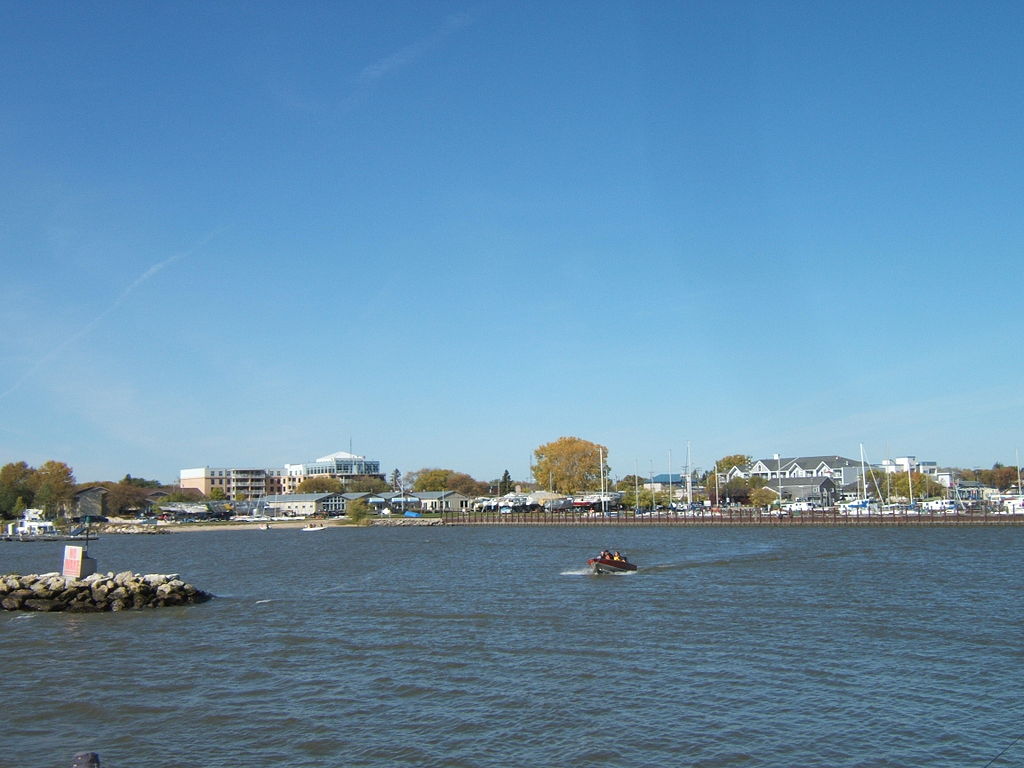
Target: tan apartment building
249,483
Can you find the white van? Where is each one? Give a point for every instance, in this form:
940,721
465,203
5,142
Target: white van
799,506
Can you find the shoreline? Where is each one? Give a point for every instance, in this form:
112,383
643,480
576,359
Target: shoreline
248,526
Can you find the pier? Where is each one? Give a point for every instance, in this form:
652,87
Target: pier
742,516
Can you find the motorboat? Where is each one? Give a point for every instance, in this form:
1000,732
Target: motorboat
314,527
608,564
33,526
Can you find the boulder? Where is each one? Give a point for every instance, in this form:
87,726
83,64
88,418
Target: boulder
39,604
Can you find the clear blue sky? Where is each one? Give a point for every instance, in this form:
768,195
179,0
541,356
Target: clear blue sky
244,234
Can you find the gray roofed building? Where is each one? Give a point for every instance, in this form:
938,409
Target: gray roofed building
840,468
306,504
438,501
819,490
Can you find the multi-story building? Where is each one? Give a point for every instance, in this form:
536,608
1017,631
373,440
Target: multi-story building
247,483
341,465
910,464
841,470
250,483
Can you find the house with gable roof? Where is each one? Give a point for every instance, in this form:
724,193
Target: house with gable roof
840,469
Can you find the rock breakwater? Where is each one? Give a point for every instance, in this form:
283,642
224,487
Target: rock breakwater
96,593
134,529
408,521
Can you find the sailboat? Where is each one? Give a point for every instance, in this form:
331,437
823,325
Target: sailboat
861,505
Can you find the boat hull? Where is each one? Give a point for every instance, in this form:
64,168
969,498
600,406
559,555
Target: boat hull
602,566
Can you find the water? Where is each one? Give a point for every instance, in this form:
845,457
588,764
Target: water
485,647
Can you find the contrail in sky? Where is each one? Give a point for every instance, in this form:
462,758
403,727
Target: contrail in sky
88,327
410,53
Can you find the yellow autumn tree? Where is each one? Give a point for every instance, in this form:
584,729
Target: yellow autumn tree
570,465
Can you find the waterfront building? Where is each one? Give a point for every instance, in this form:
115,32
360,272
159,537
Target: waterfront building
90,501
663,481
305,504
442,501
820,491
340,465
248,483
840,469
906,464
236,483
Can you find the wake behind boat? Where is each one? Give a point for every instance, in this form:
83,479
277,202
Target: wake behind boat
610,562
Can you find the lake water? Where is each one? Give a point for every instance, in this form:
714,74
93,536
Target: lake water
485,647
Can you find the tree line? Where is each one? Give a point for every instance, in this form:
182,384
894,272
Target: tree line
573,465
567,465
51,487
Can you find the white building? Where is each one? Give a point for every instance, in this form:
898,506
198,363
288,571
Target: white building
906,464
840,469
340,465
253,483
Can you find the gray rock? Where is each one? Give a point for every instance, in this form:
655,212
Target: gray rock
39,604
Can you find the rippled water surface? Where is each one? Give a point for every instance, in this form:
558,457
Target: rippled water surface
481,647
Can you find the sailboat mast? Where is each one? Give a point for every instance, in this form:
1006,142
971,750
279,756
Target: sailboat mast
689,477
863,474
670,478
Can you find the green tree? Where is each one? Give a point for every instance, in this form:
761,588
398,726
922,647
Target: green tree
999,476
763,497
629,483
367,484
645,499
923,486
16,481
570,465
726,463
466,485
396,480
358,511
124,496
217,494
879,484
141,482
189,495
54,486
505,485
319,484
431,479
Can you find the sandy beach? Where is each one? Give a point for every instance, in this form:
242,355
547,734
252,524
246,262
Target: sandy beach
248,526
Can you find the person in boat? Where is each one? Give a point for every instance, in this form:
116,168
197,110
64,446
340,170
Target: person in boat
619,557
605,555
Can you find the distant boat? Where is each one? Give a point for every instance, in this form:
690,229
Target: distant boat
33,527
314,527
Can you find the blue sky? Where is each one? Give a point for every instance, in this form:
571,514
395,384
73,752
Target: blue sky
245,234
